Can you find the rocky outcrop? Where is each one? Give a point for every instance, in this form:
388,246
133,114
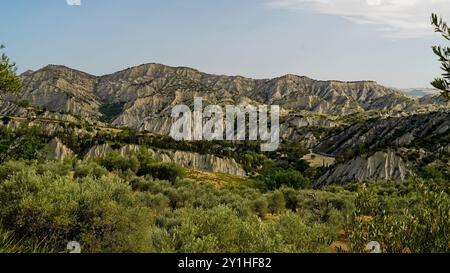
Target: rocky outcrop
8,108
98,151
434,100
149,92
380,166
196,161
61,89
57,150
209,163
383,133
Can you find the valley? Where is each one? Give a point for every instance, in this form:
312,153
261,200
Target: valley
354,157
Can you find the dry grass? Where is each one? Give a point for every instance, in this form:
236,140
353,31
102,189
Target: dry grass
316,160
217,179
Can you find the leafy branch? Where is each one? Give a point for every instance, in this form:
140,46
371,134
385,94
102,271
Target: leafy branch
443,52
9,82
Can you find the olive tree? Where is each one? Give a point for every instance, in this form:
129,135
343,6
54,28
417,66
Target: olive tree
443,52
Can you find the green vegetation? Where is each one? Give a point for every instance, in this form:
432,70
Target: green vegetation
111,111
9,244
135,203
443,53
24,143
120,204
24,103
9,82
416,220
141,164
275,179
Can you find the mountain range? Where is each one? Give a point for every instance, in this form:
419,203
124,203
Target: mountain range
142,97
379,126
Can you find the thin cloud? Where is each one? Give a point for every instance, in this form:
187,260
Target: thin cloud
73,2
398,18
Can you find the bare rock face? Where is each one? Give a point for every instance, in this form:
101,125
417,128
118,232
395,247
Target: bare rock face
196,161
149,92
57,150
433,99
379,133
61,89
209,163
98,151
8,108
380,166
309,141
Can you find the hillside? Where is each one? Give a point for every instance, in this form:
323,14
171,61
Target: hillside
81,153
142,97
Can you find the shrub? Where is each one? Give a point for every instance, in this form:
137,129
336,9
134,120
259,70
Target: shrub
24,103
219,230
432,172
157,202
302,237
421,228
10,168
290,178
102,214
260,207
291,197
113,161
162,171
6,120
23,143
90,169
10,244
276,202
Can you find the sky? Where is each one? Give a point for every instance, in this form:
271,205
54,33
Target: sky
388,41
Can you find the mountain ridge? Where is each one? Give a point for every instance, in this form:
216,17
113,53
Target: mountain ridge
146,94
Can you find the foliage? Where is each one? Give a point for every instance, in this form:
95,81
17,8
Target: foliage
433,172
106,211
421,225
24,104
10,244
113,161
276,202
86,169
24,143
443,53
260,207
102,214
9,82
141,164
111,111
277,178
220,230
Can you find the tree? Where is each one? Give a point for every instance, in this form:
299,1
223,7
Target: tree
260,206
291,198
443,53
290,178
276,202
9,82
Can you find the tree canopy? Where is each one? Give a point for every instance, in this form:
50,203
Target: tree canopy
9,82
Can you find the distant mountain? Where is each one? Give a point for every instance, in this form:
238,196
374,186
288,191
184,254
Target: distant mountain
420,92
142,97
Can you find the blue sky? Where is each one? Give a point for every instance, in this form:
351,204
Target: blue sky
384,40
